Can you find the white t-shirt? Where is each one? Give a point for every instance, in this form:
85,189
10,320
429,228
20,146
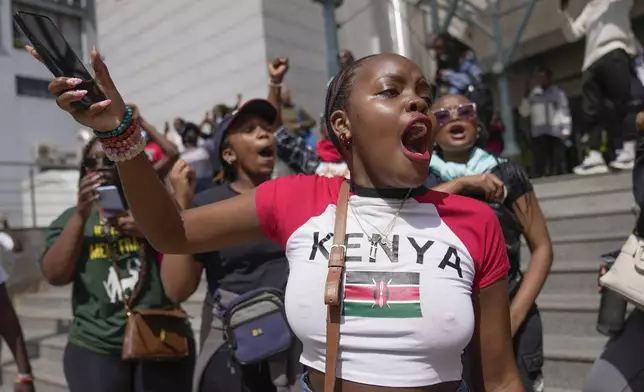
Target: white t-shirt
607,27
407,306
6,244
3,275
332,169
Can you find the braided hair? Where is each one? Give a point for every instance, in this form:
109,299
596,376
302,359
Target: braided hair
337,95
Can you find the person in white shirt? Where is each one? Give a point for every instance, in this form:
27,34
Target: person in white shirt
10,330
607,73
550,123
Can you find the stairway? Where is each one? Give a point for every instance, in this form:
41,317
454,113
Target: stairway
587,216
45,317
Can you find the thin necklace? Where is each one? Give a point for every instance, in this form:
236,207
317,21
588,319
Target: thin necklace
384,240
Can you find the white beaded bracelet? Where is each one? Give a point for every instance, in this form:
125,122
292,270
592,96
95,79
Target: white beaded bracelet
126,149
130,154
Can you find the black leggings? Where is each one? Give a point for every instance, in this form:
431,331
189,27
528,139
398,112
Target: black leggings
528,352
607,79
86,370
223,375
549,155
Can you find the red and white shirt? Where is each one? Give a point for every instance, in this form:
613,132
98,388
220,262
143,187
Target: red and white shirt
407,307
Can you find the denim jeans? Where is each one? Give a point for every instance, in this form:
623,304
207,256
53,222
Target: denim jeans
463,387
305,384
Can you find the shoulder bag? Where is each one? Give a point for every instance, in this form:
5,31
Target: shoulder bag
333,288
151,334
255,325
626,276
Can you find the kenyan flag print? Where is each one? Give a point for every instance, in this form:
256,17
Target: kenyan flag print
382,294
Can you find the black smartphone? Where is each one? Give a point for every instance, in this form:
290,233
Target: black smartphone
57,55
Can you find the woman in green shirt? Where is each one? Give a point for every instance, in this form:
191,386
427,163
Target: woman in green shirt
79,248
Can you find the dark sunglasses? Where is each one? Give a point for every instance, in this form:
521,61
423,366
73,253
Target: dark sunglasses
466,111
93,162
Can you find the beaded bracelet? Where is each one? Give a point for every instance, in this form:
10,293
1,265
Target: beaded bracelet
125,124
127,145
24,379
121,140
126,149
129,154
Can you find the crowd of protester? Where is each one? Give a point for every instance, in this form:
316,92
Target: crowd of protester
429,222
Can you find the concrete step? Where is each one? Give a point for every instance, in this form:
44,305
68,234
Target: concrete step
569,358
555,389
602,203
620,220
6,357
573,277
49,376
55,299
572,185
587,247
569,314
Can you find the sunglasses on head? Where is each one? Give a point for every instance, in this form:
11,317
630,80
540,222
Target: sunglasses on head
93,162
466,111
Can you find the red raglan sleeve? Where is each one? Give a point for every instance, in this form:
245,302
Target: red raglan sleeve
267,199
286,203
495,263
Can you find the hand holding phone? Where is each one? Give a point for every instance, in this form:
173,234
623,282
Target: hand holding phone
110,201
57,55
102,116
87,194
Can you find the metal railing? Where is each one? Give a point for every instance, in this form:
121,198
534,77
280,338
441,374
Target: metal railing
33,194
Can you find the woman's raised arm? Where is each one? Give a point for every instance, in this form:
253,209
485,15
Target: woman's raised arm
199,230
208,228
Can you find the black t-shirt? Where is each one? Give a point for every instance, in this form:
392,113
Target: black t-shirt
241,268
518,184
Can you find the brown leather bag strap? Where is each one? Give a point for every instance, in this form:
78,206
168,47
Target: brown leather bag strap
333,288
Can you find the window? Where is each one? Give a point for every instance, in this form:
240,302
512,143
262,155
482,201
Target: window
70,26
32,87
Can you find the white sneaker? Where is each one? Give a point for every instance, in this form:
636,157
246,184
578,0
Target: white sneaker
592,164
625,159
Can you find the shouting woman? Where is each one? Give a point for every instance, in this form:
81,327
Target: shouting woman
438,261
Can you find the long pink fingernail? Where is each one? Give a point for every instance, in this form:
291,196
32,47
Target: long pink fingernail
80,93
105,103
74,81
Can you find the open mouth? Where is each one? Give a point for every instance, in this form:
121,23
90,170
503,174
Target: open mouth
414,139
267,152
457,132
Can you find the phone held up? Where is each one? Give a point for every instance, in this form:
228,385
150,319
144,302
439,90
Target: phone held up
57,55
110,201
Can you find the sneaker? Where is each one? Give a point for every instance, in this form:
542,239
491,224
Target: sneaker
592,164
625,158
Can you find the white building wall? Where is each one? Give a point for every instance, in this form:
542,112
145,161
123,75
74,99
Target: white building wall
295,29
25,121
178,58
